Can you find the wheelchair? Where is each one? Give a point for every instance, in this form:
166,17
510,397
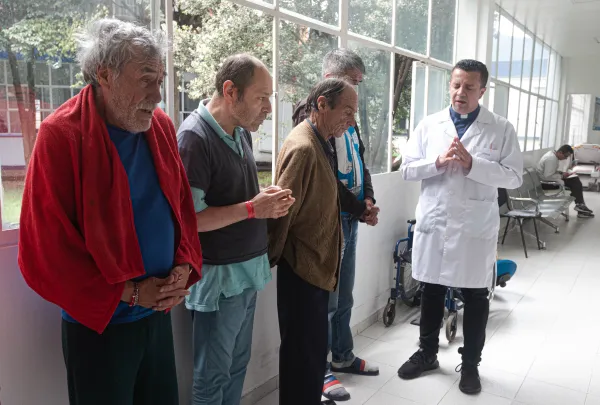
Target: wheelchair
407,289
503,270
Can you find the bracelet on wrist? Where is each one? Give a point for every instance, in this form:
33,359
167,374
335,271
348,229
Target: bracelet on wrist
135,297
250,208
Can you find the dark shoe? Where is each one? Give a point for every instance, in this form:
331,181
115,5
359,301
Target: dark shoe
582,214
417,365
469,379
583,208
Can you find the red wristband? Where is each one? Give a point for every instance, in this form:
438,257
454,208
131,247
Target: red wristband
250,208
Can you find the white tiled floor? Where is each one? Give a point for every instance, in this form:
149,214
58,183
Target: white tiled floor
543,344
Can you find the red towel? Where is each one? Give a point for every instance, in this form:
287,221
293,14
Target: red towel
77,244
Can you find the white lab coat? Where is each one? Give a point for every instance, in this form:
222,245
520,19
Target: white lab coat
456,234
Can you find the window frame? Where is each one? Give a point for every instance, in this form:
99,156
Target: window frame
341,30
344,33
554,76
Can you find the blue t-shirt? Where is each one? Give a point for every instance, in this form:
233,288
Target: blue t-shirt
349,163
463,122
152,215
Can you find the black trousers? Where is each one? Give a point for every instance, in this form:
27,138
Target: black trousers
128,364
303,327
476,312
574,184
576,188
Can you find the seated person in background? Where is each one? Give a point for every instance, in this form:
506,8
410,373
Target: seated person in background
548,171
306,244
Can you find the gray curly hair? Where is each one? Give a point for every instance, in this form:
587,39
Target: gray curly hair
112,43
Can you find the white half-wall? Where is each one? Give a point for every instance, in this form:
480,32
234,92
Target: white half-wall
531,158
31,366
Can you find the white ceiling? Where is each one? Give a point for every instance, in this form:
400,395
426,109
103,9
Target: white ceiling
569,26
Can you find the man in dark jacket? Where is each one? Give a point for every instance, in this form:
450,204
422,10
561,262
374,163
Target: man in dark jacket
357,201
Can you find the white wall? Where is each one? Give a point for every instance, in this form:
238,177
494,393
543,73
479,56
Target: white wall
531,158
11,151
583,77
31,364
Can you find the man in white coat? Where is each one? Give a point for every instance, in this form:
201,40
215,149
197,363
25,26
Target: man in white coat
462,155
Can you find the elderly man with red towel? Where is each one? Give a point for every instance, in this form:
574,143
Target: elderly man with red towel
108,228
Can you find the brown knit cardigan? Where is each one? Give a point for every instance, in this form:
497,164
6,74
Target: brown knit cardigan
310,237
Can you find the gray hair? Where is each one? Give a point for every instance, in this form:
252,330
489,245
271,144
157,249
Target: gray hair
339,61
331,89
112,43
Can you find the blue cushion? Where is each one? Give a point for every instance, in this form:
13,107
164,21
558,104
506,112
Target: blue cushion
506,267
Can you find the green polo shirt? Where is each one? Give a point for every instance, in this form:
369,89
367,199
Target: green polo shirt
231,279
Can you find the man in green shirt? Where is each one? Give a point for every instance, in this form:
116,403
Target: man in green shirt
216,149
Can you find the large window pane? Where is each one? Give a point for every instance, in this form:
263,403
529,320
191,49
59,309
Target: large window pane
401,106
411,25
551,74
491,94
513,112
522,121
61,74
301,56
442,29
554,87
45,65
544,74
371,18
438,96
501,101
537,67
42,96
21,68
548,137
527,62
495,38
517,56
537,143
374,106
553,124
513,106
41,74
322,10
504,48
60,95
4,121
418,96
216,32
531,123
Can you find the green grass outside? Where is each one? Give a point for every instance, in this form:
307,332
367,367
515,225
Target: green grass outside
265,179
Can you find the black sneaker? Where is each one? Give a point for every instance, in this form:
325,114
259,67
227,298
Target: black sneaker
469,379
583,214
417,365
583,208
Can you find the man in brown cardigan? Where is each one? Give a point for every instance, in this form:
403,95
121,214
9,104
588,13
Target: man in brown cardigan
306,244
